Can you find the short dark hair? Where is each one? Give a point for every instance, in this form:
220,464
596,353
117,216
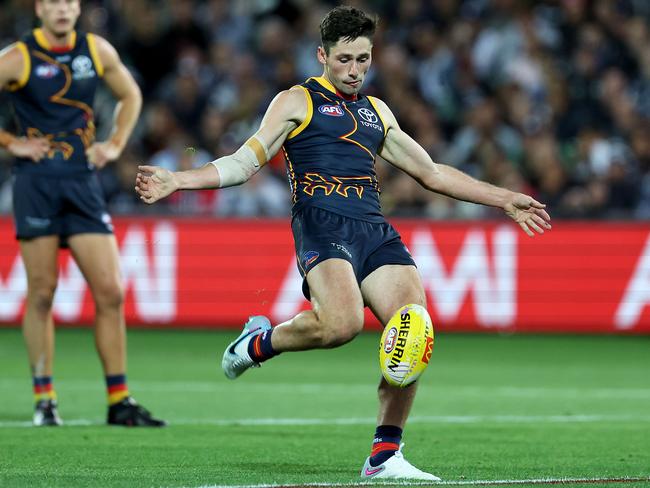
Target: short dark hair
347,23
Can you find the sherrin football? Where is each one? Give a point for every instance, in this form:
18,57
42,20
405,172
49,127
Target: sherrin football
406,345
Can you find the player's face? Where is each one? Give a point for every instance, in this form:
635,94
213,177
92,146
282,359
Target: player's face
58,16
347,63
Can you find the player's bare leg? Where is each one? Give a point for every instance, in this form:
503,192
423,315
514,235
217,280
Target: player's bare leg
98,259
384,291
40,260
336,317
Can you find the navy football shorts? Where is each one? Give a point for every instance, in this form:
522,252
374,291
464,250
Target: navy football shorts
319,235
59,205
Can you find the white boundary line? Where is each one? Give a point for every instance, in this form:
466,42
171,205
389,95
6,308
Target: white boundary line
440,419
534,481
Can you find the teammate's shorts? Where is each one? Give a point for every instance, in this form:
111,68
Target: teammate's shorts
59,205
319,235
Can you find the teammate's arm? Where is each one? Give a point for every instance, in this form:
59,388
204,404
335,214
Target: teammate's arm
403,152
129,102
12,63
284,114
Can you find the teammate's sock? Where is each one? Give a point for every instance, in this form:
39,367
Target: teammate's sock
260,348
43,389
116,388
385,443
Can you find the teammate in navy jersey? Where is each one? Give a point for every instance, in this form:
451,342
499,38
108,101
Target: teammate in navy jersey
52,75
349,256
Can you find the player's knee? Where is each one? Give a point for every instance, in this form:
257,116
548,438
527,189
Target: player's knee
109,295
341,328
41,294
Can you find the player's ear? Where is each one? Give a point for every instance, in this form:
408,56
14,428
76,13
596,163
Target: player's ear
321,55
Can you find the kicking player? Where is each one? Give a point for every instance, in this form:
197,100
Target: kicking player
52,74
347,253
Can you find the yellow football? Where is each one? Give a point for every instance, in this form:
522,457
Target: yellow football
406,345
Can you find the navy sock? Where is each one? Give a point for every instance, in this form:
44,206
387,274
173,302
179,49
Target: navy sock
385,443
260,348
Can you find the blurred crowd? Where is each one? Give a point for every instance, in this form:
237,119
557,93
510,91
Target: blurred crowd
548,97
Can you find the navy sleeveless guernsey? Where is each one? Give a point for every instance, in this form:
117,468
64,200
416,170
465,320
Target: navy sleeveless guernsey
331,155
54,99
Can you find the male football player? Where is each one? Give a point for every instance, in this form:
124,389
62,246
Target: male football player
349,256
52,74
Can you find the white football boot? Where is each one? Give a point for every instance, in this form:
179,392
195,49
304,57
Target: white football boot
235,358
45,414
396,468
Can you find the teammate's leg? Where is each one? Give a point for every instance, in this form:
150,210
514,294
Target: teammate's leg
384,291
40,260
98,259
336,317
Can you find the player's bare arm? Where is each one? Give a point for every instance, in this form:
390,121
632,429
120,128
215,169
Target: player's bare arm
287,110
129,102
12,65
403,152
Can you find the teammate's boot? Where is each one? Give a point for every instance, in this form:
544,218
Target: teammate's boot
129,414
397,468
45,414
236,359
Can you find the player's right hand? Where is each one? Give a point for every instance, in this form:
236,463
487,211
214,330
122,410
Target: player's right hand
34,148
153,183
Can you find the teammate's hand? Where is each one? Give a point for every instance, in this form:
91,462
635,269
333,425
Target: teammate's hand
101,153
528,212
34,148
153,183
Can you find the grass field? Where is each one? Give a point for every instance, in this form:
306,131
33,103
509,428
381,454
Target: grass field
489,408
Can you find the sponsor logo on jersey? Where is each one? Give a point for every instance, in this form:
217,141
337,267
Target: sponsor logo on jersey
47,71
82,68
368,115
369,119
331,110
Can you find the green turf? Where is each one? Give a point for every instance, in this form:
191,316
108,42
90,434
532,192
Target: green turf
489,407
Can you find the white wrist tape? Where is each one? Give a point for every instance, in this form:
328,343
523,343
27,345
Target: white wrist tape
238,167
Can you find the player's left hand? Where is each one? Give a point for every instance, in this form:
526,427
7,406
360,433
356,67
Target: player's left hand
153,183
528,213
101,153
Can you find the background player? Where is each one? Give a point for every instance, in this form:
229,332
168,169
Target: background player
53,73
348,254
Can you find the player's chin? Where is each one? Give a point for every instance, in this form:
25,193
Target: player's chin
352,88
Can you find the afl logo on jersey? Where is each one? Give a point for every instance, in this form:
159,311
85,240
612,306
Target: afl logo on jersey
368,115
82,68
47,71
331,110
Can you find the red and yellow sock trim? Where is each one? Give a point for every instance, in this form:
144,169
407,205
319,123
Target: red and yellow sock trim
44,392
257,346
117,393
383,446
